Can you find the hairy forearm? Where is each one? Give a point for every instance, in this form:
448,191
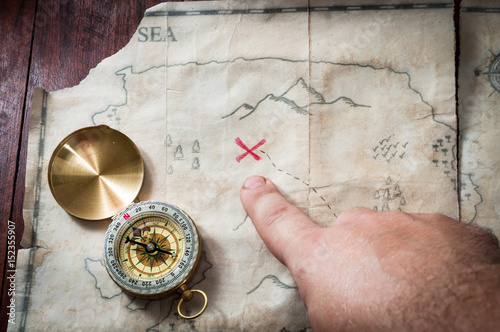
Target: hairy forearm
467,300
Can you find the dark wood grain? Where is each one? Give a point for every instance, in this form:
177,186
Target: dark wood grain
16,26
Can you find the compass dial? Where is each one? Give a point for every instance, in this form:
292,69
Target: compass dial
151,249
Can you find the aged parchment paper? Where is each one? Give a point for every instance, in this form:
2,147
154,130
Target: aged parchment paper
356,104
479,101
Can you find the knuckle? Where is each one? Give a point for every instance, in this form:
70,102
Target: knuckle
313,255
277,214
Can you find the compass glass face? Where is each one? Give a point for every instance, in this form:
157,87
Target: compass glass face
151,248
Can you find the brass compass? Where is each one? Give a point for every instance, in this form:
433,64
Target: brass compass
152,249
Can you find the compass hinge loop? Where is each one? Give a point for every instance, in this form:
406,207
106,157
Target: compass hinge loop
185,292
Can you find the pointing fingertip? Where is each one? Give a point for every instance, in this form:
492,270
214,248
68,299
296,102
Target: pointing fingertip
254,182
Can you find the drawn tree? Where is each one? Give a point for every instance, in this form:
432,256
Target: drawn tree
196,147
178,155
440,141
448,138
447,173
168,140
445,151
397,190
196,164
445,162
435,147
436,162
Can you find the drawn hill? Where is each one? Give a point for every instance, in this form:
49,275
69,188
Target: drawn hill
299,97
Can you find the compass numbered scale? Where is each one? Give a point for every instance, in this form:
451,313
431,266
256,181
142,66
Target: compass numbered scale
152,249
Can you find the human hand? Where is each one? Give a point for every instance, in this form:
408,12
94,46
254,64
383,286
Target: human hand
381,270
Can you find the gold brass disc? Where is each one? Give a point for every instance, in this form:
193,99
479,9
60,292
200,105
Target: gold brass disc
95,172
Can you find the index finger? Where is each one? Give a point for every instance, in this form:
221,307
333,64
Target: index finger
281,225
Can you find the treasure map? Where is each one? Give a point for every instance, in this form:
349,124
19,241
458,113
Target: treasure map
341,104
479,119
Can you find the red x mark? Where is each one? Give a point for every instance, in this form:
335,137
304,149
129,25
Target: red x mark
248,151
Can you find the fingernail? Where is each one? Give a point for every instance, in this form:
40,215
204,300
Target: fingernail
254,182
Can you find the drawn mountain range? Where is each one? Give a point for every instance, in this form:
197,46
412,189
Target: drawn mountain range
299,97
